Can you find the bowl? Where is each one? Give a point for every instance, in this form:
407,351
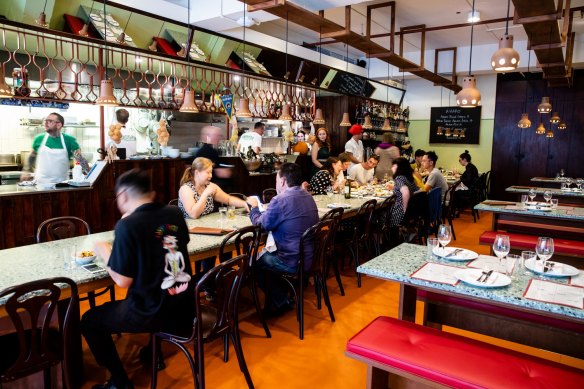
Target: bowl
173,153
84,257
252,164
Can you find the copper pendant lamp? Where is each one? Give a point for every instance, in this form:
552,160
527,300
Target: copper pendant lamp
106,89
540,130
524,122
42,19
285,113
319,117
345,122
386,125
367,123
5,90
469,96
544,106
243,111
188,105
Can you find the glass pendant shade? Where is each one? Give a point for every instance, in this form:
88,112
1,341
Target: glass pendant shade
524,122
544,106
319,117
549,134
386,125
367,124
106,95
469,96
285,113
562,126
555,119
540,130
506,58
243,111
188,104
345,122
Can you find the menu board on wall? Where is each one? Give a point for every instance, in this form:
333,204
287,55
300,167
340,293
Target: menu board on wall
351,84
455,125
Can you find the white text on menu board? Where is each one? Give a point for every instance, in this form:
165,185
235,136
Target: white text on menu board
454,117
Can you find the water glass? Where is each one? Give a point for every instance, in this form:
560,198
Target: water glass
527,256
231,212
222,216
432,244
512,266
554,203
69,253
524,199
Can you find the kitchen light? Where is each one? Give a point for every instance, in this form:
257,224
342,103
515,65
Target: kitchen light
106,90
188,104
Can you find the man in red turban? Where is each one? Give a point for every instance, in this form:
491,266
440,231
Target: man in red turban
354,146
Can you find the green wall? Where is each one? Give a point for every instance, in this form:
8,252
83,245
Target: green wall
419,133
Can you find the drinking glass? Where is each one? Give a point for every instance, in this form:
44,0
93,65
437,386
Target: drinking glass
444,235
222,216
329,192
501,246
531,194
554,203
544,250
524,199
69,253
579,182
231,212
547,196
527,256
512,265
562,173
432,244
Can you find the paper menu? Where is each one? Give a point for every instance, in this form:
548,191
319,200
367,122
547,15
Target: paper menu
577,280
552,292
437,272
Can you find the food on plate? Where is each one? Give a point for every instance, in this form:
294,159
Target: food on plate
85,254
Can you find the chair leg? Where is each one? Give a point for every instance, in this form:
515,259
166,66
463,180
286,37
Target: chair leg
240,358
452,228
91,299
325,295
355,253
225,347
338,276
300,305
112,293
254,294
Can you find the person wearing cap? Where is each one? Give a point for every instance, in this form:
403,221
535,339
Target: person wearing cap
354,146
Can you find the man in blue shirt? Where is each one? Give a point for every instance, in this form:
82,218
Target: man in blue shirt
288,216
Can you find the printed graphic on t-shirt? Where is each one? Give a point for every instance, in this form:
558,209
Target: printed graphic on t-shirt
177,280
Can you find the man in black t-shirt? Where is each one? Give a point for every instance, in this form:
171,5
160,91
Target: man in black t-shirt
210,136
149,257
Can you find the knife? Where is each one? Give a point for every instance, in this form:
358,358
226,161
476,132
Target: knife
452,253
487,276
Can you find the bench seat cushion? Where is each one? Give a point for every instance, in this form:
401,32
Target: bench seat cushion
528,242
456,361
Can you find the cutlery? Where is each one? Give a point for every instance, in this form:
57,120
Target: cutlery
453,253
487,276
549,267
484,273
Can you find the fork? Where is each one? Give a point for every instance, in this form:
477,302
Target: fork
453,253
483,274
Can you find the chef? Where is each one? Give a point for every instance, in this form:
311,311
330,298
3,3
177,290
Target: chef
52,152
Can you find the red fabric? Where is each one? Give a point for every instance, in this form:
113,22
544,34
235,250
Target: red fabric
527,242
75,24
456,361
165,46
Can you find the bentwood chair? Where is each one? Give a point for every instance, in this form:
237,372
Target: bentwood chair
434,209
382,225
315,239
414,225
239,195
246,241
449,207
64,227
211,321
359,242
173,202
268,194
335,214
34,341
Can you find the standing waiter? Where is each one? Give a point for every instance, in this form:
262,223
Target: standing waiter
52,152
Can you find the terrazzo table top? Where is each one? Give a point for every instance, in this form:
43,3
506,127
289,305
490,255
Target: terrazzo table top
547,179
539,191
399,263
561,212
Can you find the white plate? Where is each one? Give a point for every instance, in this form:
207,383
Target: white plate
112,21
470,276
95,17
464,255
558,269
540,208
338,205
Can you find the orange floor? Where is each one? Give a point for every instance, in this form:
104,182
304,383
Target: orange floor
284,361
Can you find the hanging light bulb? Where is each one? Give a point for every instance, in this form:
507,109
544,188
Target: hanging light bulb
121,39
469,96
524,122
555,119
506,58
540,130
106,89
549,134
562,126
188,104
544,106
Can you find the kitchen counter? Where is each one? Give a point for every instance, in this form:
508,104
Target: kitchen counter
10,190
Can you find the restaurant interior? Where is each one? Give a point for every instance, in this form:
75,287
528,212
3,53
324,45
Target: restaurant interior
472,280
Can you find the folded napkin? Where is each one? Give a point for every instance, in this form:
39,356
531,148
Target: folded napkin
270,246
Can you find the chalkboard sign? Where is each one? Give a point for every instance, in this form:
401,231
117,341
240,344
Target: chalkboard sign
455,125
351,84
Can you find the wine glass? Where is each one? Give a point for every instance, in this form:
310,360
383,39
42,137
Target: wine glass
501,246
547,196
562,173
444,235
544,250
531,194
579,182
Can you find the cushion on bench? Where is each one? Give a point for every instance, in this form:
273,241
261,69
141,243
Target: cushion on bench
528,242
456,361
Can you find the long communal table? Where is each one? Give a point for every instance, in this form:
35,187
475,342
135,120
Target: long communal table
499,312
563,222
564,196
